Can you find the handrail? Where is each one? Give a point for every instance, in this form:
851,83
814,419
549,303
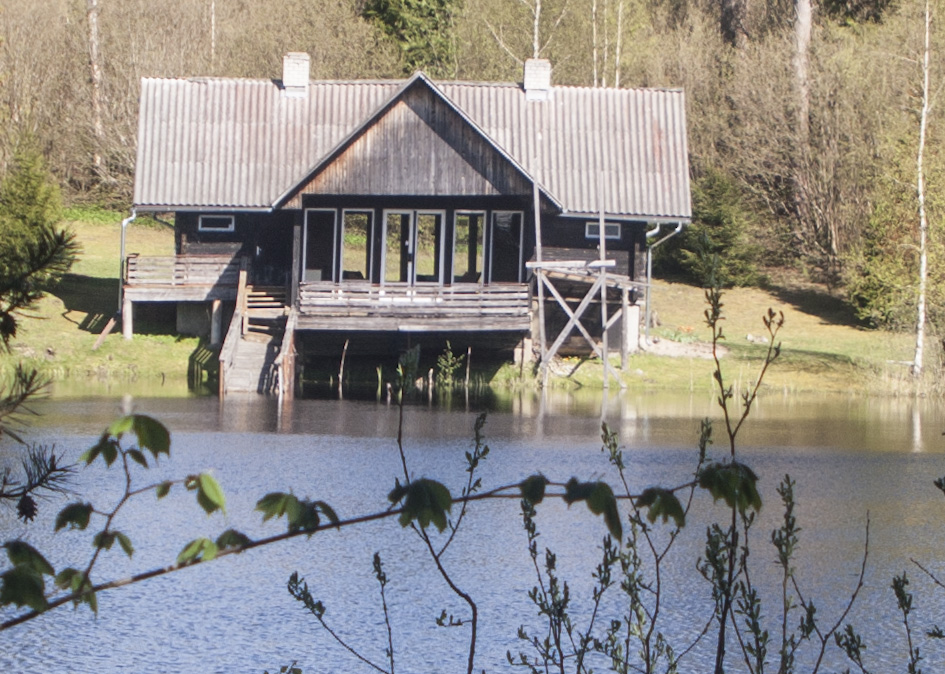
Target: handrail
241,296
284,364
236,330
228,350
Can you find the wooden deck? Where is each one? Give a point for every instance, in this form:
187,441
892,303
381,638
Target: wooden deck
181,278
419,308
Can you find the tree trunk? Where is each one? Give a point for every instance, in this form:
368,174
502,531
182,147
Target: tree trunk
95,67
802,32
920,193
619,43
733,23
594,39
536,31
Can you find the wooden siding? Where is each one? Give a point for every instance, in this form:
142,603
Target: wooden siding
422,147
399,307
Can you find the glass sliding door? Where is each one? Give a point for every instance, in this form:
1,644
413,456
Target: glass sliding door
357,228
413,247
318,249
468,231
506,244
394,265
426,247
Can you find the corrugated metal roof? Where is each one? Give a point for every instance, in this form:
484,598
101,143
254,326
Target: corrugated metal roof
237,143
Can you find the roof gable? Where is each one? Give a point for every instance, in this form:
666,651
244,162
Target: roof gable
417,143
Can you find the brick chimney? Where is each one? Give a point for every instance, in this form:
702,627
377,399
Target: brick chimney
537,83
295,74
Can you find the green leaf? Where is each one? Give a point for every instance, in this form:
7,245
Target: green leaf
603,502
69,579
327,511
397,493
575,490
120,426
104,540
23,587
733,482
125,543
73,580
75,516
600,501
25,556
276,504
152,435
138,457
163,489
210,551
209,494
231,538
89,455
199,549
426,501
190,551
533,488
110,452
662,503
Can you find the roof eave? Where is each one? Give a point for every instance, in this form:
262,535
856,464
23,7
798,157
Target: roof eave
191,208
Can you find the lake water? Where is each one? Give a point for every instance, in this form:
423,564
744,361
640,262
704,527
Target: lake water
850,457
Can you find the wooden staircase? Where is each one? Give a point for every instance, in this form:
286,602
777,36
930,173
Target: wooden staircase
264,320
254,341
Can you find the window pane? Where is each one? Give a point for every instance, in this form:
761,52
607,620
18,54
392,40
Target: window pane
427,248
319,245
467,248
356,246
395,262
506,247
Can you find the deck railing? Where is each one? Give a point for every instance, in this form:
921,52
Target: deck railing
179,270
403,306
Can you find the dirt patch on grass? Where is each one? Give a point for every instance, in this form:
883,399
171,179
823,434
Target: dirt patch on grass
667,347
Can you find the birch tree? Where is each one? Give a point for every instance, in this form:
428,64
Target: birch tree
920,194
95,75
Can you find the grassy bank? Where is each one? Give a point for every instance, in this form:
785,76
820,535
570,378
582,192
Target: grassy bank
59,335
823,346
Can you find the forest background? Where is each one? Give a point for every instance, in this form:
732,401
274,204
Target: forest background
804,118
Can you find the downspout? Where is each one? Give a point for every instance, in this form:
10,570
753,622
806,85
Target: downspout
121,260
649,272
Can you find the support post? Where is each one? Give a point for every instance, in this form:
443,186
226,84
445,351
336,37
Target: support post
624,326
127,313
540,282
602,246
216,322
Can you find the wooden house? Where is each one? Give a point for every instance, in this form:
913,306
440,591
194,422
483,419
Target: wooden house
396,206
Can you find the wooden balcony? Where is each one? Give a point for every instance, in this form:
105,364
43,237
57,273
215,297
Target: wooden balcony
182,278
418,308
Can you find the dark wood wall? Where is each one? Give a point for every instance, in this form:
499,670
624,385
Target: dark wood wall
629,251
264,237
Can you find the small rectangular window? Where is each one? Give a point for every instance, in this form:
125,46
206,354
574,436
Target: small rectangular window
216,223
611,230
